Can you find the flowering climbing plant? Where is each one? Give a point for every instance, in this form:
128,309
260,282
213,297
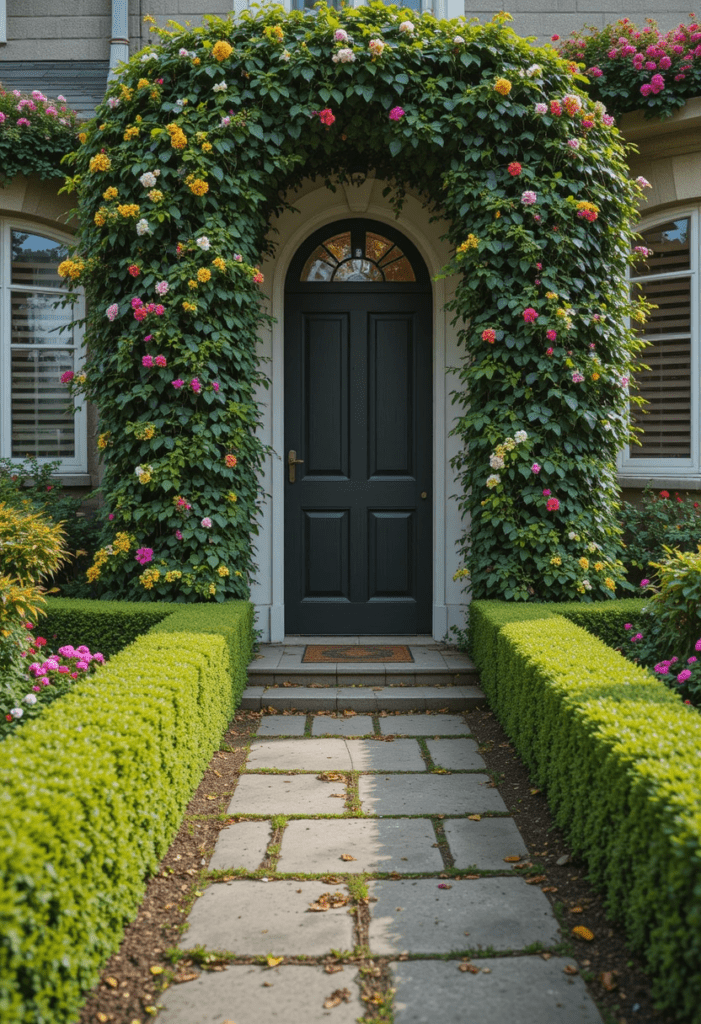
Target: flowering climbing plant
193,150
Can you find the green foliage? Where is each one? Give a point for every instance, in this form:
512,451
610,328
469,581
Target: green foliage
676,599
91,796
614,58
617,754
220,162
39,146
106,626
661,520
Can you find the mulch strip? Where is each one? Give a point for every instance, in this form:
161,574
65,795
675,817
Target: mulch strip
389,653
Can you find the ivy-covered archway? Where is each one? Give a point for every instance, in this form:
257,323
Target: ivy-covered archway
193,151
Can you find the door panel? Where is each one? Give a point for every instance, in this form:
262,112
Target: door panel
391,544
391,395
326,554
326,393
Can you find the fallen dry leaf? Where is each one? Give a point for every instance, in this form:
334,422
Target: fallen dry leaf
570,969
576,910
347,856
472,876
330,777
112,982
179,978
341,995
341,796
474,817
331,880
536,879
273,961
513,858
546,956
583,933
549,888
102,1017
329,901
469,967
609,979
333,968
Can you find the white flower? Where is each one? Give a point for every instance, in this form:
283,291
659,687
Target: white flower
220,86
204,243
533,70
376,46
142,227
340,36
643,182
148,56
113,102
520,436
407,26
285,55
492,480
345,56
30,698
607,425
541,108
496,462
586,584
458,39
182,52
571,535
16,712
148,180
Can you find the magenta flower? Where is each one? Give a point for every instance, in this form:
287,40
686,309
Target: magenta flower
577,377
530,315
551,335
634,639
112,312
161,361
692,659
552,505
628,625
645,583
697,645
195,385
206,522
546,493
178,535
23,121
684,675
396,114
144,555
528,198
67,377
215,385
662,668
535,468
549,351
147,361
159,310
177,384
111,516
136,302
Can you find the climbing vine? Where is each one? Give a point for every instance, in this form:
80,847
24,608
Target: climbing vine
194,150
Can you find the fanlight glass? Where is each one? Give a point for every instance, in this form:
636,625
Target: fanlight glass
378,260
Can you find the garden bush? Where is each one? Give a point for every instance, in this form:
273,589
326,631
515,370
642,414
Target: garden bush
192,153
617,755
35,134
662,520
126,749
107,626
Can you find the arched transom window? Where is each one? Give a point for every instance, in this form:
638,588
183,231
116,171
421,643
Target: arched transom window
371,258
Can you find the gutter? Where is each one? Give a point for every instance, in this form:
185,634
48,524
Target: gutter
119,43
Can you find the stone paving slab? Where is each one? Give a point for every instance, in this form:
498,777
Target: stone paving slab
379,756
455,754
424,725
251,698
360,698
431,794
406,845
256,995
282,725
311,755
300,698
521,990
485,843
241,845
254,917
278,794
357,725
415,915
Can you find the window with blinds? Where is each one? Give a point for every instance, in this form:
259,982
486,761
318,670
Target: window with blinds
38,345
667,280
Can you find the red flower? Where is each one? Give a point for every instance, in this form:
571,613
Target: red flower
134,270
514,169
40,641
552,505
230,461
554,38
489,335
664,494
8,718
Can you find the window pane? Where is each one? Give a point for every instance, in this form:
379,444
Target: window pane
400,270
666,386
42,425
670,248
36,321
379,260
35,260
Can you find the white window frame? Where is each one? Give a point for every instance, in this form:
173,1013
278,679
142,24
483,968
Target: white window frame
68,466
635,472
3,22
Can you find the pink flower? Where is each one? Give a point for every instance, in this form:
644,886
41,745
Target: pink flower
541,108
396,114
573,143
528,198
67,377
206,522
144,555
684,675
577,377
692,659
628,625
195,385
82,666
112,312
177,384
161,361
535,468
546,493
657,83
551,335
140,313
530,315
178,535
644,183
162,287
514,168
136,302
552,505
148,337
646,583
340,36
549,351
215,385
111,516
24,122
555,108
147,361
594,72
608,120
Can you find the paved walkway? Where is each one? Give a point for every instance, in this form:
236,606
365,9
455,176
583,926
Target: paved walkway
379,827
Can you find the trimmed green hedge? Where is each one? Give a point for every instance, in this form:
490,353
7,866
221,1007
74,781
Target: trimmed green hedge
618,755
105,626
92,793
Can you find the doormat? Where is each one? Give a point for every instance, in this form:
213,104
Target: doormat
357,652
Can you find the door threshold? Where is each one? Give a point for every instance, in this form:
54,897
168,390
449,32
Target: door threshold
301,639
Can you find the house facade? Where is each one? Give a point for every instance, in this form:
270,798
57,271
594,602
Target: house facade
358,413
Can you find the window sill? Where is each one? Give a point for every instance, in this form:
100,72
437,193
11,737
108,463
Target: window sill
75,479
657,480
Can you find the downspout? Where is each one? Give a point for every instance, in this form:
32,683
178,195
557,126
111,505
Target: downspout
119,43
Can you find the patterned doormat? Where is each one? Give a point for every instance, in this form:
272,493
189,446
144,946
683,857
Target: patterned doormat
356,652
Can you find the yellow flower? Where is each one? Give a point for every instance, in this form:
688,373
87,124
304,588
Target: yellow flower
608,582
219,263
470,243
197,60
145,477
551,295
131,132
595,376
198,186
155,195
598,566
178,138
497,214
127,93
149,19
82,138
223,570
173,575
100,162
583,563
92,574
143,83
232,497
556,560
212,589
206,147
100,217
190,307
274,33
128,210
110,193
103,440
502,86
71,268
221,50
121,542
192,283
204,274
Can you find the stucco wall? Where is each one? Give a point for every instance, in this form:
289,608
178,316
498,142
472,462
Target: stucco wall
545,18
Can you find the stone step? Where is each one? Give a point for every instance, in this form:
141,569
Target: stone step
362,698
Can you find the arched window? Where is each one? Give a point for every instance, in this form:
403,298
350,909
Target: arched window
368,258
37,345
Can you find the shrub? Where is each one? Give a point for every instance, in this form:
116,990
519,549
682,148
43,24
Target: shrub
617,755
107,626
126,749
661,520
35,133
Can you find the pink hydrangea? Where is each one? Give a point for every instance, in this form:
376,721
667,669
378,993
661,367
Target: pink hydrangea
147,361
112,312
206,522
162,287
396,114
177,384
144,555
528,198
67,377
530,315
684,675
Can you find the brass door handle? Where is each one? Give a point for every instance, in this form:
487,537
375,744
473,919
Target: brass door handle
292,461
